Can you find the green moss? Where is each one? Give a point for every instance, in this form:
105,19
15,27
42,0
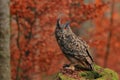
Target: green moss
99,73
109,74
90,74
63,77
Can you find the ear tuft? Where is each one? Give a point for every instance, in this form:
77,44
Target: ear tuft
67,24
58,22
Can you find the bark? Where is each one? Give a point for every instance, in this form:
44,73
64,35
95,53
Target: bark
4,40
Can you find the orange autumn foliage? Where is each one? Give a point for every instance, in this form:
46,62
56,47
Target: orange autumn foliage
34,49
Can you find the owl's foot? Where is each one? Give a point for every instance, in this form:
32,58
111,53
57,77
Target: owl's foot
69,66
66,66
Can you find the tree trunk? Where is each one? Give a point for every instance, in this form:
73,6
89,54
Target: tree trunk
4,40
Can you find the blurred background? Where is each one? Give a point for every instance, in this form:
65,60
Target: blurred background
35,54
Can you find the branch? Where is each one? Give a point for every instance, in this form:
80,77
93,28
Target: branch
108,46
18,45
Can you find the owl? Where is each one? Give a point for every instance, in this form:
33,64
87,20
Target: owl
73,47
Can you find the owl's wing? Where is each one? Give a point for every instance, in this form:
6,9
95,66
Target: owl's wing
85,49
82,54
84,61
89,54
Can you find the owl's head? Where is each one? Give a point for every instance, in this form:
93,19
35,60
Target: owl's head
62,29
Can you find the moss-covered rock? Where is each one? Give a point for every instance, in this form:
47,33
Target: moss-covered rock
99,73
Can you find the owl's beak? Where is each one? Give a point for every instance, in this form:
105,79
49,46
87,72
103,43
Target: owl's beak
67,24
58,22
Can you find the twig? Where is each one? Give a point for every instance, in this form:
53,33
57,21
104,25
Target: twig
18,45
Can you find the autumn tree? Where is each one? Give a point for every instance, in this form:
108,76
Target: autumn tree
4,40
34,50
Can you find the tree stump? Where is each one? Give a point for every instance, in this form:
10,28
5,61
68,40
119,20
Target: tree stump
98,74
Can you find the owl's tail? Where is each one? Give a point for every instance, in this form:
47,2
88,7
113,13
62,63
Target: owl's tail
84,66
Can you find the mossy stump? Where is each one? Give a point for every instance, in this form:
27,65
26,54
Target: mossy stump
98,74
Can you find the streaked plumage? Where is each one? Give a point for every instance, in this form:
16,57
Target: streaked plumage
73,47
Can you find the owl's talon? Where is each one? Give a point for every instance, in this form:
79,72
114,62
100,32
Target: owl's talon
66,65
